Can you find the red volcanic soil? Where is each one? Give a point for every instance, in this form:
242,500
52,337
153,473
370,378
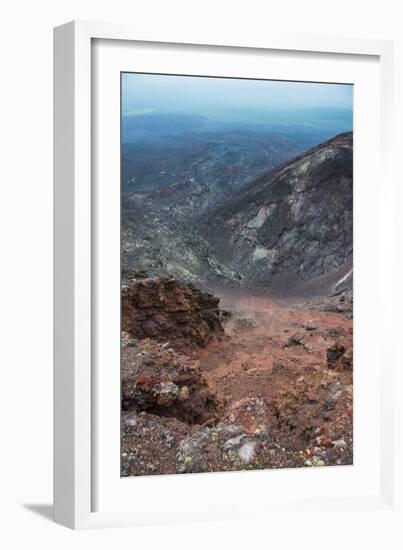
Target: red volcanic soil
279,351
272,390
257,334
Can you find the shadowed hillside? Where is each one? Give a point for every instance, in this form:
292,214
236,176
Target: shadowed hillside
293,224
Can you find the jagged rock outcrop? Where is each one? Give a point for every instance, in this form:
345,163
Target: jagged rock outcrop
166,310
293,226
157,379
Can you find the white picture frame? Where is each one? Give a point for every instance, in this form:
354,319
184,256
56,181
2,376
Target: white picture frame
77,472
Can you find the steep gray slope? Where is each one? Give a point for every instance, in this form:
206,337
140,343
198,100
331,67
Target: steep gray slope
292,227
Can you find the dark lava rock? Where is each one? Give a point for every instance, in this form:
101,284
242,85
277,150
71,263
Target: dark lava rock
159,380
339,357
295,340
164,309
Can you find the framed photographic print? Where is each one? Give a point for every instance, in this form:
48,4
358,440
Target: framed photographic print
236,259
221,211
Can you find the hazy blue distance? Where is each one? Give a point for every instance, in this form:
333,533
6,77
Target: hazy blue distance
237,100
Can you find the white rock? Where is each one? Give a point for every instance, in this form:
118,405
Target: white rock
233,442
247,452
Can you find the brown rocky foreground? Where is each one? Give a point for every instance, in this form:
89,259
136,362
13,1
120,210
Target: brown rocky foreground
161,308
258,384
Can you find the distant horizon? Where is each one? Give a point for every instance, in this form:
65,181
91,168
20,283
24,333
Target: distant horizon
236,100
156,110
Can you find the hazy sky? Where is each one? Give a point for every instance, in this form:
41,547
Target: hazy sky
164,93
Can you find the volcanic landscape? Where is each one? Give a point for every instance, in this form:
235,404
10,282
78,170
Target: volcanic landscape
237,305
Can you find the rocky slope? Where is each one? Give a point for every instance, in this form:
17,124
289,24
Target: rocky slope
169,184
292,227
273,390
257,377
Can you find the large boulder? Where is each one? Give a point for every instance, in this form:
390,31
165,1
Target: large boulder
164,309
157,379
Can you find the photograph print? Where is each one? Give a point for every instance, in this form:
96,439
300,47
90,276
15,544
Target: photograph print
236,274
